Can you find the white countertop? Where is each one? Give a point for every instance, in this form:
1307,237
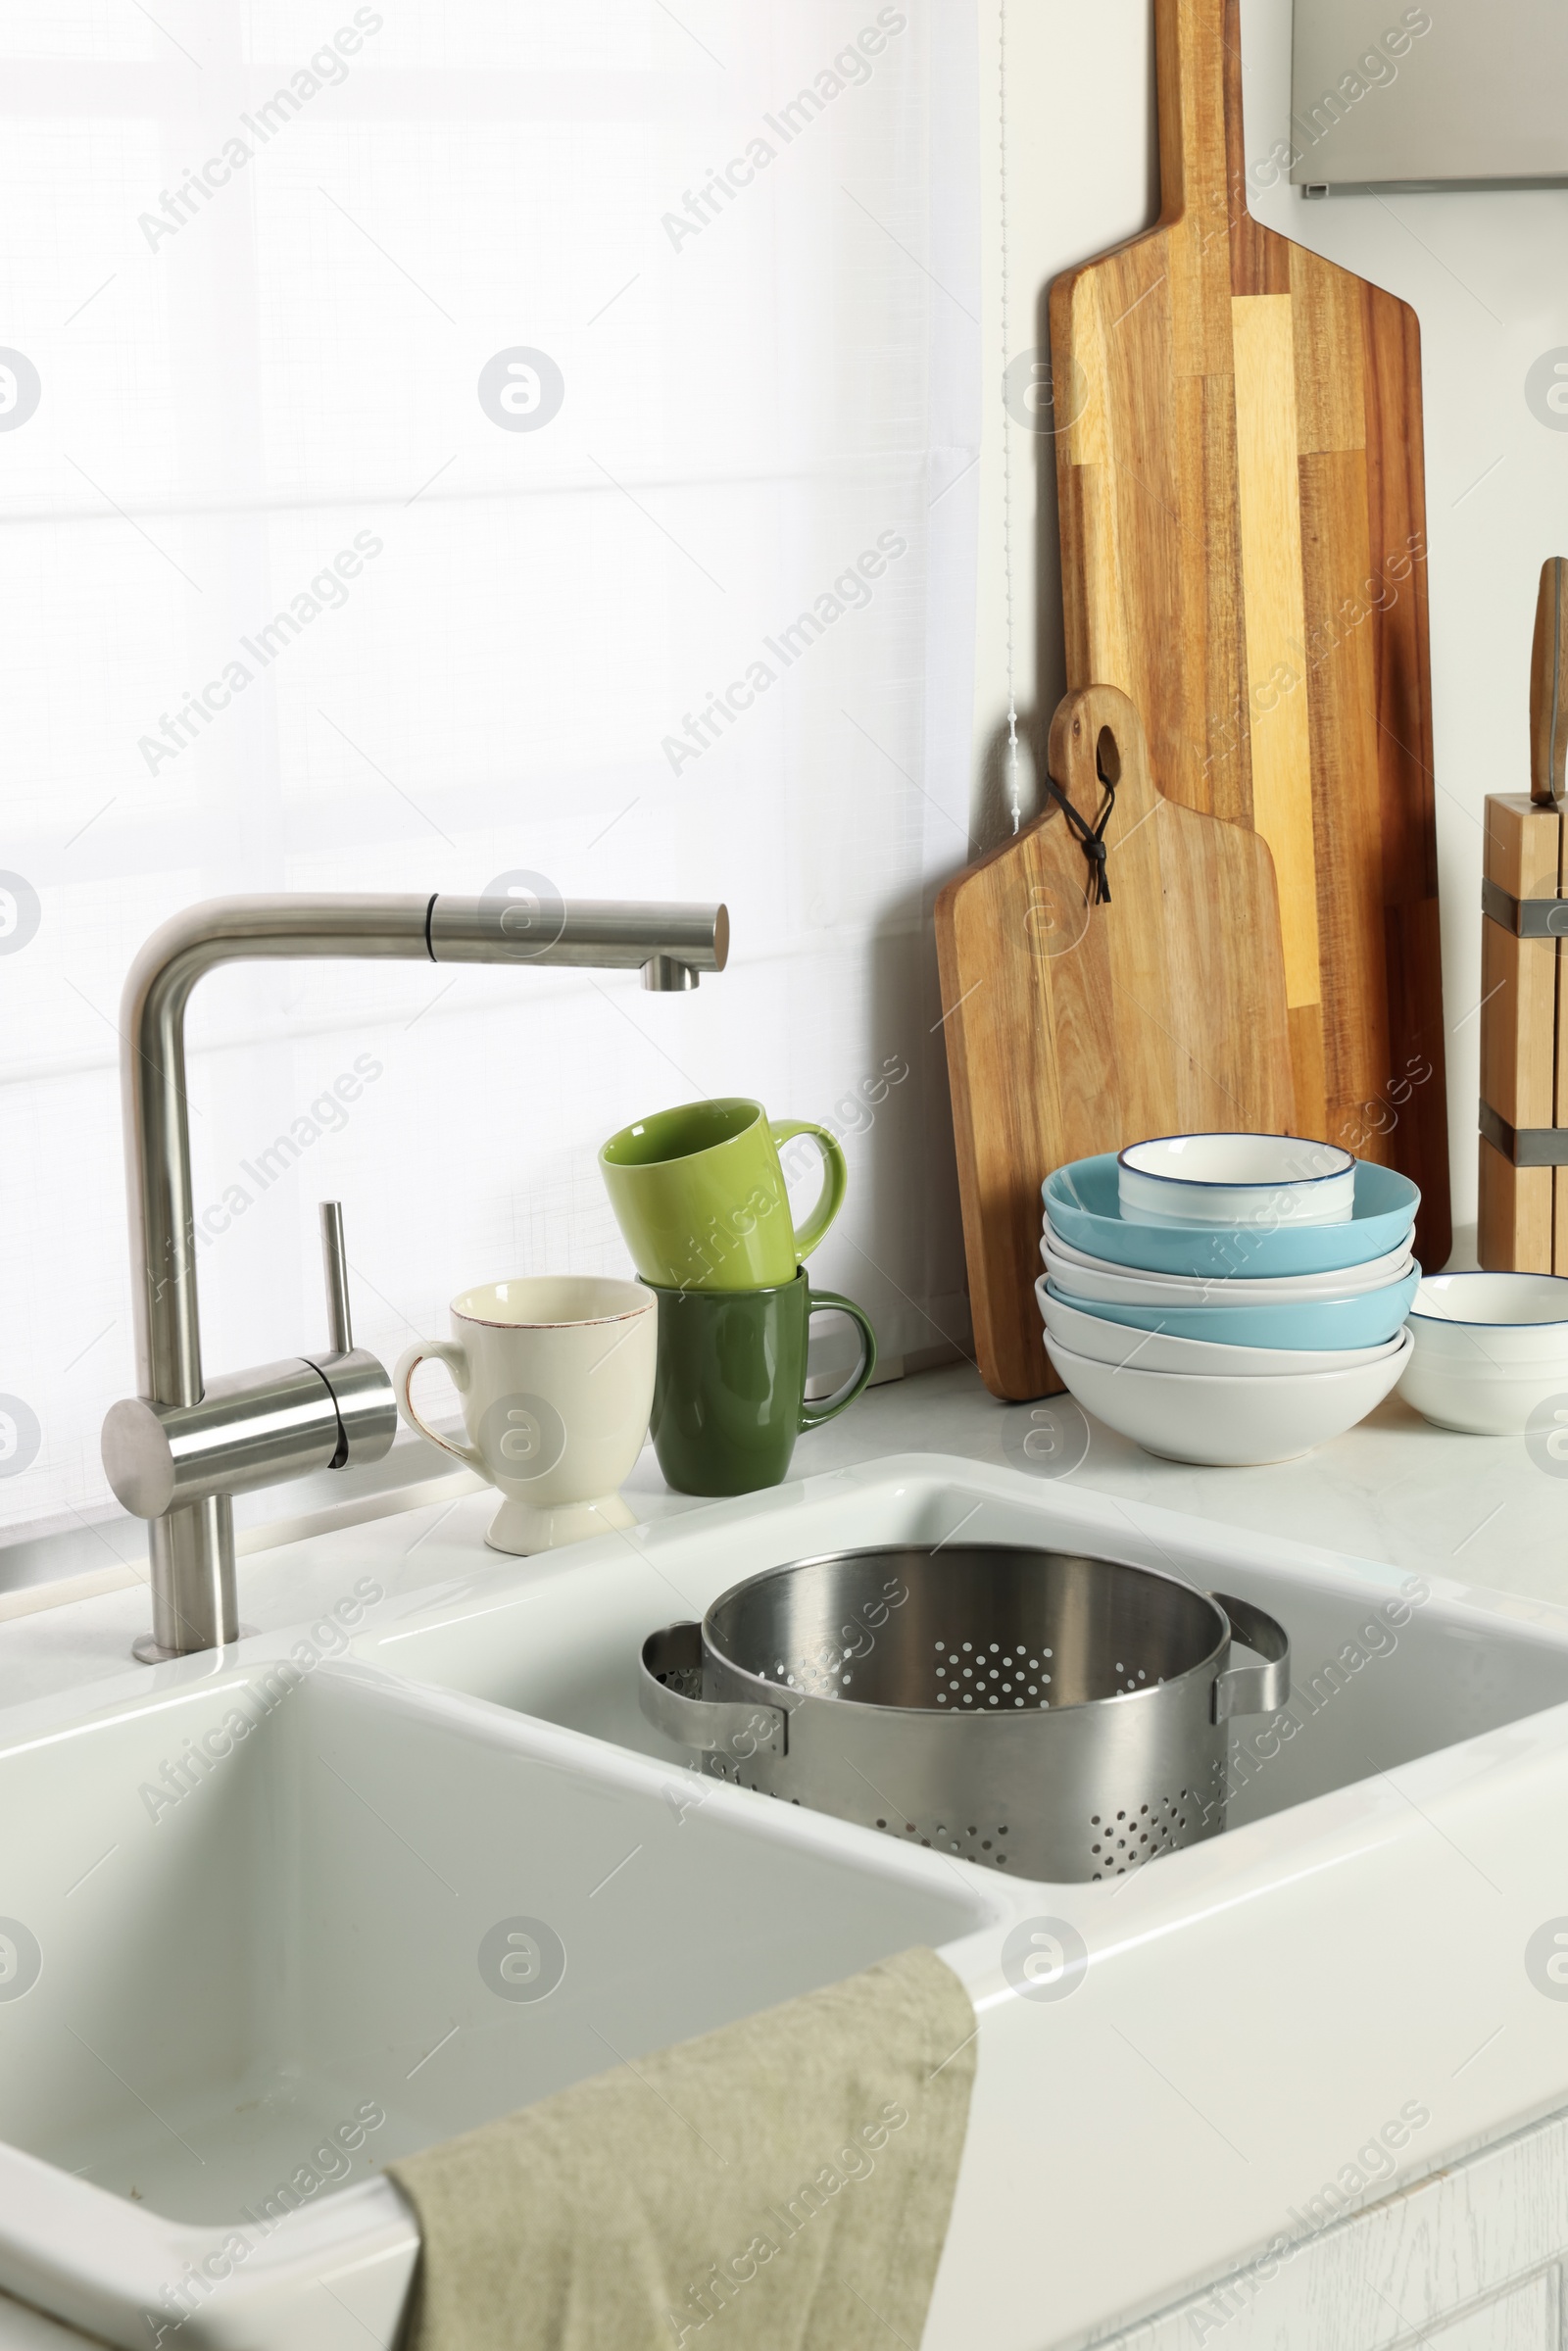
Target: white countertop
1395,1490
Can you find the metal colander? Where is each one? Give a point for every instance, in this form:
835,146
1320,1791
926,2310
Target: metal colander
1057,1716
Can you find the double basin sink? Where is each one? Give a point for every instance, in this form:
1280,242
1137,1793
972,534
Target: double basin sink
273,1918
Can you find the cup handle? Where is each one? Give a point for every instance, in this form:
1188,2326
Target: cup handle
440,1350
835,1180
818,1302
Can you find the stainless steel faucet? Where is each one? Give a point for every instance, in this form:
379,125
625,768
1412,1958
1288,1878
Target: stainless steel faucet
183,1448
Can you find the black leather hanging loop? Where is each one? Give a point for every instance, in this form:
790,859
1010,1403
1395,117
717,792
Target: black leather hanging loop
1092,836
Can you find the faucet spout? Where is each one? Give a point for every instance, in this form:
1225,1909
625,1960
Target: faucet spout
192,1541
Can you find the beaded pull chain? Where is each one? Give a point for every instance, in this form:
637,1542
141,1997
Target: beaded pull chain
1014,781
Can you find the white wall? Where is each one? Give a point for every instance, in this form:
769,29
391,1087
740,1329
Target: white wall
1488,276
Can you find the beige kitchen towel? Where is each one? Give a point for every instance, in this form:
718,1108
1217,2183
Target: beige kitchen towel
783,2182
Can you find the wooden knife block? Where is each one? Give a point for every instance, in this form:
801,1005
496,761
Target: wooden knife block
1523,1220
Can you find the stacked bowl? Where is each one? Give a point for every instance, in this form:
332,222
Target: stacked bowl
1228,1299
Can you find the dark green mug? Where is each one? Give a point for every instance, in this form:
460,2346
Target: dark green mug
729,1393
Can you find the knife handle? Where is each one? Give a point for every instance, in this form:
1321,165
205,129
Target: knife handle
1548,688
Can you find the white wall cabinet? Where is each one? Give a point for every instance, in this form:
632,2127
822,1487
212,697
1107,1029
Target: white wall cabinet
1442,96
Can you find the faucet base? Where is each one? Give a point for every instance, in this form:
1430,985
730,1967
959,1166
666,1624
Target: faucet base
191,1554
148,1651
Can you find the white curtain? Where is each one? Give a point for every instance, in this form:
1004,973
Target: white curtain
439,442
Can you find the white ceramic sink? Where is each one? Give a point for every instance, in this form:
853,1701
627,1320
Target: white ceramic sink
560,1637
299,1943
248,1997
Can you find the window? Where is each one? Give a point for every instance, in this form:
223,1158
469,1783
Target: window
445,442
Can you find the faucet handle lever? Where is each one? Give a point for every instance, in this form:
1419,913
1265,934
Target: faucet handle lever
362,1393
335,1267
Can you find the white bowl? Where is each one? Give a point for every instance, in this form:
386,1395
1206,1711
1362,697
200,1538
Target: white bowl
1491,1351
1119,1285
1480,1401
1230,1422
1503,1321
1158,1351
1249,1182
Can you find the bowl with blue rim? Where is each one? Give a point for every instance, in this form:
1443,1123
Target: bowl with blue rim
1315,1325
1083,1206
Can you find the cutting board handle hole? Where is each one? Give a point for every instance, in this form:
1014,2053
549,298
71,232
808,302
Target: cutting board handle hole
1107,759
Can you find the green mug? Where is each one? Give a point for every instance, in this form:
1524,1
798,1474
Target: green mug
729,1392
700,1196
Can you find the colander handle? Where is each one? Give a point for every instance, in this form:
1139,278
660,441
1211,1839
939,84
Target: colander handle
715,1725
1252,1688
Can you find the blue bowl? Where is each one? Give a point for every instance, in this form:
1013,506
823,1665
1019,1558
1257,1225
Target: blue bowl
1082,1204
1321,1324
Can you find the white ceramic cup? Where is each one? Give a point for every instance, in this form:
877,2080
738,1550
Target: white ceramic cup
556,1373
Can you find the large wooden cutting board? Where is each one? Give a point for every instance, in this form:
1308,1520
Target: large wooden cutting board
1075,1028
1243,548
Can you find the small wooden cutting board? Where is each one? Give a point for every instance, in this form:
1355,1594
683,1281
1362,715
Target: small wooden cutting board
1243,552
1074,1028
